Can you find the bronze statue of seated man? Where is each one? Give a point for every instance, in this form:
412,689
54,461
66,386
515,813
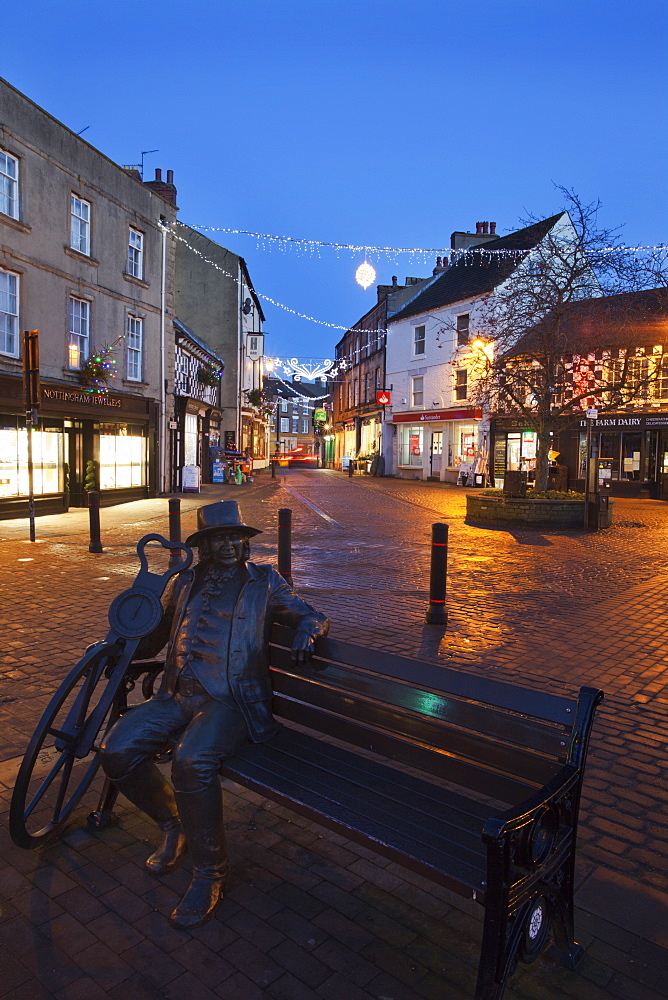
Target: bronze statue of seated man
215,694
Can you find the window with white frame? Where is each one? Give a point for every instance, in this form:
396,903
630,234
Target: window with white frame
285,425
463,329
135,341
80,225
136,253
418,339
79,331
9,313
284,405
417,390
461,383
305,426
9,185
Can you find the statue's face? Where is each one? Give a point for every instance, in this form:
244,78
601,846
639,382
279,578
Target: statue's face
227,548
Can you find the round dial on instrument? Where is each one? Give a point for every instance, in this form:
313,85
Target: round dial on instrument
135,613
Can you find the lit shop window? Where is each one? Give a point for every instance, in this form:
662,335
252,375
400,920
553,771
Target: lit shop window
47,453
122,459
410,444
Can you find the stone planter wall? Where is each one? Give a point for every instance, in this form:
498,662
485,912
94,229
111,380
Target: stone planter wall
546,513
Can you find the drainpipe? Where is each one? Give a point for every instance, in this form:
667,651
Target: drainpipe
163,297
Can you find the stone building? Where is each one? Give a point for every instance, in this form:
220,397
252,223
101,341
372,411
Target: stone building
85,260
360,357
215,298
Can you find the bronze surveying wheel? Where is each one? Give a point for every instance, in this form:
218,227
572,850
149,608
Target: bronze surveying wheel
62,759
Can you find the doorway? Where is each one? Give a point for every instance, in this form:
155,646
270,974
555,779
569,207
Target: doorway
436,455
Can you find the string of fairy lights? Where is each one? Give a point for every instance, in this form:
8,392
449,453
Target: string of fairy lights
365,276
316,245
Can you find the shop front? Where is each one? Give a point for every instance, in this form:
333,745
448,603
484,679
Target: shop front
80,439
633,447
370,436
443,445
514,450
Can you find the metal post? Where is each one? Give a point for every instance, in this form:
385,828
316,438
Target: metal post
436,612
94,518
273,468
285,543
351,468
31,485
174,504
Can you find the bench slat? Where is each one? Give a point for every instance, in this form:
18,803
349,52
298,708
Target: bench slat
441,764
253,767
527,733
438,813
477,750
419,673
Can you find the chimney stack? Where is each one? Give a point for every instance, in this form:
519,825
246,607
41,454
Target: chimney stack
485,228
478,228
395,281
492,228
166,188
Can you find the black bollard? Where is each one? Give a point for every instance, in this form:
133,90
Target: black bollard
351,469
285,543
95,544
273,470
436,612
174,504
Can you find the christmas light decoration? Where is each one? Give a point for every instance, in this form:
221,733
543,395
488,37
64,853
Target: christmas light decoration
365,275
392,251
99,368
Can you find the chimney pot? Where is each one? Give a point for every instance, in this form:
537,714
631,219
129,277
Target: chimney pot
158,174
170,176
492,228
485,227
394,281
478,228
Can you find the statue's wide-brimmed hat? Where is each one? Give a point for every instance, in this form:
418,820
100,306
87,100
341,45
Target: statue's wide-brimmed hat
221,516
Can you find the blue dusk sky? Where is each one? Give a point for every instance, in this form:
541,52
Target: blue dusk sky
360,121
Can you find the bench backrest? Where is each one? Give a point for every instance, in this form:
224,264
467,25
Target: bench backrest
497,739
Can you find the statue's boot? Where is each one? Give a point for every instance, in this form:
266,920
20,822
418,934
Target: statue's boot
202,818
147,788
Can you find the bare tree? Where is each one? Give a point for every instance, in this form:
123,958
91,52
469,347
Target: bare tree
574,325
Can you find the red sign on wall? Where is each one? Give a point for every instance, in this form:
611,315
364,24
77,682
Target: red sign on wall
383,397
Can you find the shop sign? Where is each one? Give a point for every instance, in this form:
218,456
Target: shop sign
613,423
254,346
383,397
190,478
429,415
320,415
218,472
81,398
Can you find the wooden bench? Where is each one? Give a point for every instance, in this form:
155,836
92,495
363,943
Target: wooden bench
473,783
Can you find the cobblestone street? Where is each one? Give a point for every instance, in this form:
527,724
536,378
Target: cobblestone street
309,915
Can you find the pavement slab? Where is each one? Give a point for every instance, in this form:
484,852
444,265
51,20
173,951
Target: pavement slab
309,914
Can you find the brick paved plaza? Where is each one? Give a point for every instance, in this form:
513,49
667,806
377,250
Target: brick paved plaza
311,916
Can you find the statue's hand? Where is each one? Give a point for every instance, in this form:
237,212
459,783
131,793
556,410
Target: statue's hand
302,647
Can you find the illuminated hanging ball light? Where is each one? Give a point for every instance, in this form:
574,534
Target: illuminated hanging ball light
365,275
